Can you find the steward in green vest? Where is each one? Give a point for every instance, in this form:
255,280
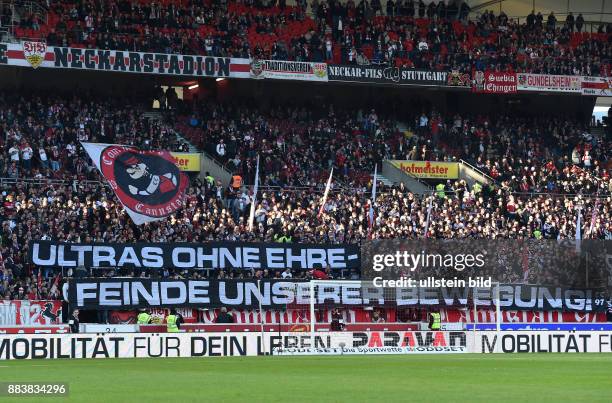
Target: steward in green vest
172,322
477,188
209,178
435,322
143,318
282,238
440,190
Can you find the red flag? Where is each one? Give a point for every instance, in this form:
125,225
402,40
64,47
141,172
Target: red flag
54,287
39,280
525,262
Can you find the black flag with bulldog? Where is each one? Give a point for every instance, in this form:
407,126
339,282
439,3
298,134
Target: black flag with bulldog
148,183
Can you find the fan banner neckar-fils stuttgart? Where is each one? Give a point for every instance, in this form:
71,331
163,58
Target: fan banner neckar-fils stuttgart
148,184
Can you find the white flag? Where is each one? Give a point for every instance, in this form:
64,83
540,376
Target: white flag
373,200
326,192
578,235
149,184
254,201
429,207
593,218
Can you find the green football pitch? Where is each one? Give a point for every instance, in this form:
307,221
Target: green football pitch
385,378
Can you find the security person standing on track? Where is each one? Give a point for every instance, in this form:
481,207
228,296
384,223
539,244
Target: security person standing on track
435,321
144,318
173,321
73,321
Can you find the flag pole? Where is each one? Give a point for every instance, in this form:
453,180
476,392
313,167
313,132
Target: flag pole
578,235
372,201
254,201
429,207
331,173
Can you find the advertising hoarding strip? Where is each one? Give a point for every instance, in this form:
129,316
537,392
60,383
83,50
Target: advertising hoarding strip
428,169
138,345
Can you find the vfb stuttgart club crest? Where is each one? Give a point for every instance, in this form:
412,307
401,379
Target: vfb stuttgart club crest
34,52
148,183
319,70
257,68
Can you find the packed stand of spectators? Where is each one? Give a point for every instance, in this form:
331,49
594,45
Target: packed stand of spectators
407,33
297,146
525,154
90,213
541,177
40,135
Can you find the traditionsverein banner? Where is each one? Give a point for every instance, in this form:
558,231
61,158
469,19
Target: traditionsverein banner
210,255
149,184
288,70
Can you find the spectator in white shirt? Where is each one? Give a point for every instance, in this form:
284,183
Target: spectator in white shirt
14,153
26,156
423,123
587,159
71,149
221,149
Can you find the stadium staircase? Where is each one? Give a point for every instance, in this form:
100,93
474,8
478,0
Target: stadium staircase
471,174
382,179
158,116
207,163
598,131
396,175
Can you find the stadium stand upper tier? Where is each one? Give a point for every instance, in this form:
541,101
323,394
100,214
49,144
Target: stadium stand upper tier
406,33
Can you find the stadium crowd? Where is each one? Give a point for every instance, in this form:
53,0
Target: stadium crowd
40,135
542,171
402,33
299,145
